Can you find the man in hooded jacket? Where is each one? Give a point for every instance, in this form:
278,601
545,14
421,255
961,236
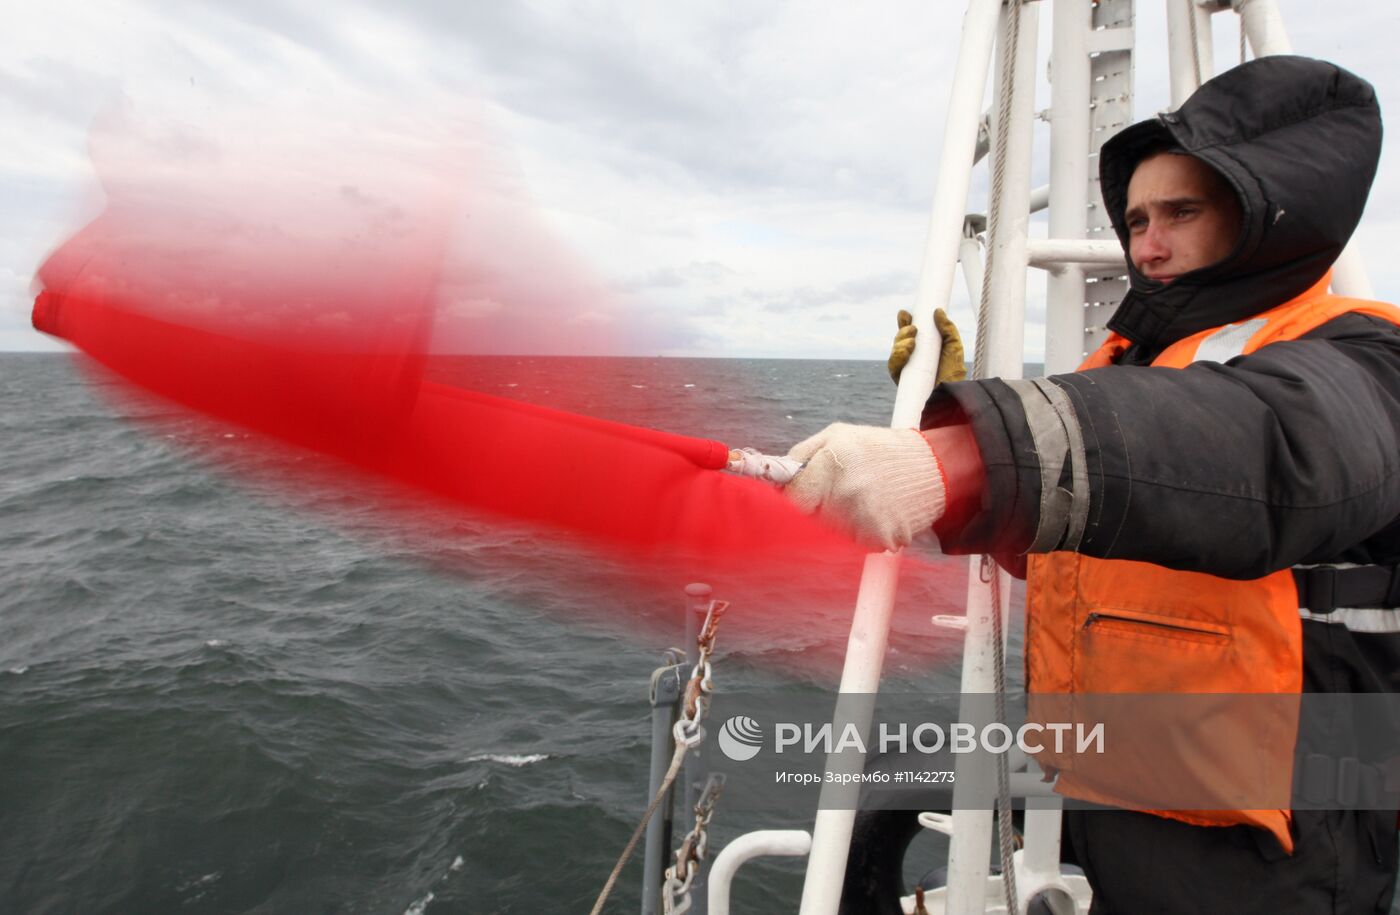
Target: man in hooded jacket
1210,506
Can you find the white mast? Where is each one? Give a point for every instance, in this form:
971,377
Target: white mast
865,649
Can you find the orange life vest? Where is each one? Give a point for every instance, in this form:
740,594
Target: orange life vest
1099,630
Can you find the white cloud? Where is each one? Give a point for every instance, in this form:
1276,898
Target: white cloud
736,174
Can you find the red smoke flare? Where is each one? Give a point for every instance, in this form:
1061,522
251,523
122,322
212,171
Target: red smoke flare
298,298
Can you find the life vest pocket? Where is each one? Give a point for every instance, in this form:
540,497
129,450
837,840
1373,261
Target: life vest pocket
1134,651
1136,623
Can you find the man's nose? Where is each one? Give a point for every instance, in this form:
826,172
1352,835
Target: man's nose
1151,247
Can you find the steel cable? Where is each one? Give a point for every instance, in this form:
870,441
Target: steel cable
990,573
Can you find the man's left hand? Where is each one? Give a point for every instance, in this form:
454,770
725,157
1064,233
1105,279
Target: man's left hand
950,355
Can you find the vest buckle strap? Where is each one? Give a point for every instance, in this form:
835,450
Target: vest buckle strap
1323,589
1317,589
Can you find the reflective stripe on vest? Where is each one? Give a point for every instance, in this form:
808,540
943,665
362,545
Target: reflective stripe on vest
1102,627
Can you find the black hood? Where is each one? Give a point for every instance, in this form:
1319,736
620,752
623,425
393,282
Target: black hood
1298,140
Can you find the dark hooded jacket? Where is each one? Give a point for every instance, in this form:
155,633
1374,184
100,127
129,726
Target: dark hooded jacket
1289,455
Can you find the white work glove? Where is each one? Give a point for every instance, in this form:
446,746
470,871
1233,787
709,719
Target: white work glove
882,486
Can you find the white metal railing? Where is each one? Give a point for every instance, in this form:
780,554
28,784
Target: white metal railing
789,842
1057,254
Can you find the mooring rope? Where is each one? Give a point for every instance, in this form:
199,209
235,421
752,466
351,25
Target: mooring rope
676,759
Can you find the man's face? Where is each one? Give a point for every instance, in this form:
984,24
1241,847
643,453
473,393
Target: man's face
1181,216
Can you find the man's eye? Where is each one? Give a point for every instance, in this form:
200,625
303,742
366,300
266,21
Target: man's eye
1185,212
1137,225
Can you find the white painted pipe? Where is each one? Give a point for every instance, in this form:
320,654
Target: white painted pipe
1185,77
1051,253
865,649
761,843
970,259
1041,832
1205,35
975,783
1180,67
949,204
865,655
1007,253
1263,28
1037,865
1069,184
1040,198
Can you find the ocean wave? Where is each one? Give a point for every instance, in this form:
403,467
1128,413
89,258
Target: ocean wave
419,905
510,759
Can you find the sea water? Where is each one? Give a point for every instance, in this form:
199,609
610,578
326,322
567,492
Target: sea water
234,681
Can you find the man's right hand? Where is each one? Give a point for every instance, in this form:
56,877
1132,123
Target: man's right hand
950,359
881,486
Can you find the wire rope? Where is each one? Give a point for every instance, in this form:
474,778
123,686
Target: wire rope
1011,39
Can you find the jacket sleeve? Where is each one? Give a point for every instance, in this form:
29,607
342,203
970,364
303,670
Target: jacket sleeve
1288,455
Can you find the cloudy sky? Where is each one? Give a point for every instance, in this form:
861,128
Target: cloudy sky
750,179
